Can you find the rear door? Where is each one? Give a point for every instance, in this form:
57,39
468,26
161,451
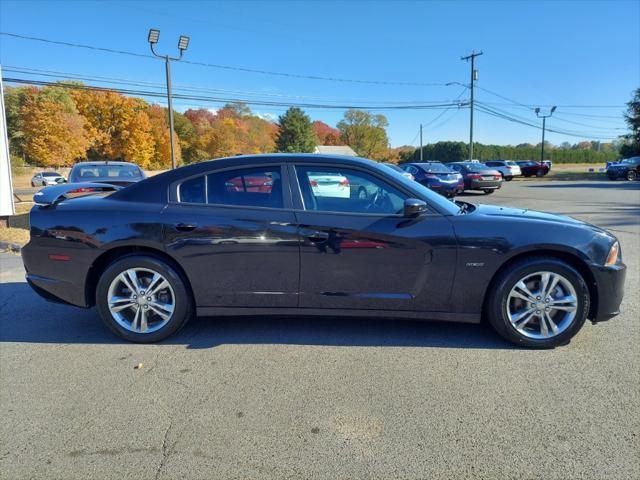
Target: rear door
235,234
360,252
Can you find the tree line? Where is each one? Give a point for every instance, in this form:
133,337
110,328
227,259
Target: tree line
56,126
583,152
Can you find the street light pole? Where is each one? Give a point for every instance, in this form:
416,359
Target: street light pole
183,43
420,142
544,126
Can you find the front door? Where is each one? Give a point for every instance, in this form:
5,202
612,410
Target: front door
359,252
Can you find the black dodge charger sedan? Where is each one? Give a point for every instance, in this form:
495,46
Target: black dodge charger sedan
273,234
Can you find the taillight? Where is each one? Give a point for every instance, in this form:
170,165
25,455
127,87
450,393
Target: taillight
474,176
496,177
313,183
59,258
344,183
82,190
509,167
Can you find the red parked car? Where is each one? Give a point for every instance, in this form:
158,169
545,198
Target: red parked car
531,168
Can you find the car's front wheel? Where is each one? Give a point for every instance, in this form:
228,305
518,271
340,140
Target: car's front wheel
488,192
631,175
143,299
539,302
539,173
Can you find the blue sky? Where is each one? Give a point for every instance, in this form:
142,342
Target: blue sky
576,53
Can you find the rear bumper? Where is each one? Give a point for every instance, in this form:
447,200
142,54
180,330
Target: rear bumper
610,287
57,291
484,185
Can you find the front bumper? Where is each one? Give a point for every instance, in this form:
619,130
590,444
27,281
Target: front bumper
615,174
610,287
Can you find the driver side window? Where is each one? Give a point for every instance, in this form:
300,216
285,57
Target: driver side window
336,189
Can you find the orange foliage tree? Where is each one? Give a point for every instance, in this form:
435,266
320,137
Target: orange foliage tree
159,120
54,132
327,135
118,126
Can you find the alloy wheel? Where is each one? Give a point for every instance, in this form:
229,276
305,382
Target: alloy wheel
141,300
542,305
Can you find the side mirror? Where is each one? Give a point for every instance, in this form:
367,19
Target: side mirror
414,207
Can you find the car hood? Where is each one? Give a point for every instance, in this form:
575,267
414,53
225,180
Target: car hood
533,215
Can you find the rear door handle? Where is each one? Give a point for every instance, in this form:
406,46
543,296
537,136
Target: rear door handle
185,227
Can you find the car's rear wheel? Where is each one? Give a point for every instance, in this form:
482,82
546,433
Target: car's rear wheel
631,175
538,302
488,192
539,173
507,179
143,299
362,194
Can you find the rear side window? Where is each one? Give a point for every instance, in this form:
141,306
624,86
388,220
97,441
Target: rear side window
250,187
192,191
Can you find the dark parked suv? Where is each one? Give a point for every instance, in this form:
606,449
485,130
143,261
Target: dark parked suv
628,168
530,168
436,176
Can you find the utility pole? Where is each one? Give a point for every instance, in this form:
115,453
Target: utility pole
544,126
474,77
421,142
183,43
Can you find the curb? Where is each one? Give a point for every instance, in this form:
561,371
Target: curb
11,247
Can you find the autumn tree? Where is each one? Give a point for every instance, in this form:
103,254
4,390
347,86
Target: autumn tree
159,129
365,133
326,135
54,134
118,126
295,132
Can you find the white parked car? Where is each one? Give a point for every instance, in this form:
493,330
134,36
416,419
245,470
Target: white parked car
507,168
44,179
336,186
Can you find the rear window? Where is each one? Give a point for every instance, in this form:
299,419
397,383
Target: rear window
50,174
512,164
476,167
435,168
104,171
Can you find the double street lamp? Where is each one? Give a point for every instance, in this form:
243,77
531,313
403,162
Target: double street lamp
183,43
544,124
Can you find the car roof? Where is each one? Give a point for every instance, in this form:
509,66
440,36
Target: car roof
101,163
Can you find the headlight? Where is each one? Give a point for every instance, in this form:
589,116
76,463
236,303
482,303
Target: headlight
612,258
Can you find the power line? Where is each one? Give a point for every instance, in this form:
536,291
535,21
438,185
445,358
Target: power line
191,88
225,67
531,107
513,119
147,93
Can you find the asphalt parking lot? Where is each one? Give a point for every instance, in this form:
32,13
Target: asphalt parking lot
326,398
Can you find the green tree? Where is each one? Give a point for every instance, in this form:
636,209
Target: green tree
14,100
631,145
365,133
296,132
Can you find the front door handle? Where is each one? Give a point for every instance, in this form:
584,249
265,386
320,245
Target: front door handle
317,236
185,227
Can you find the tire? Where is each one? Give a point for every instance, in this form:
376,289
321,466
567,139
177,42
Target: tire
177,295
539,173
362,194
508,179
33,184
500,303
488,192
631,175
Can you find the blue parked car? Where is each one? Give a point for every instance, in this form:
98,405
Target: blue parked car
436,176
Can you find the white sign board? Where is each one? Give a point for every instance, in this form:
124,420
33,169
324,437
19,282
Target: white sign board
6,187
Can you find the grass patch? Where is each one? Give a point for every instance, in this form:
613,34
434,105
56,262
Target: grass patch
19,236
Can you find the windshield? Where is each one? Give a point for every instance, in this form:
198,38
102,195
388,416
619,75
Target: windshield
104,171
513,164
475,167
632,160
435,168
428,195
